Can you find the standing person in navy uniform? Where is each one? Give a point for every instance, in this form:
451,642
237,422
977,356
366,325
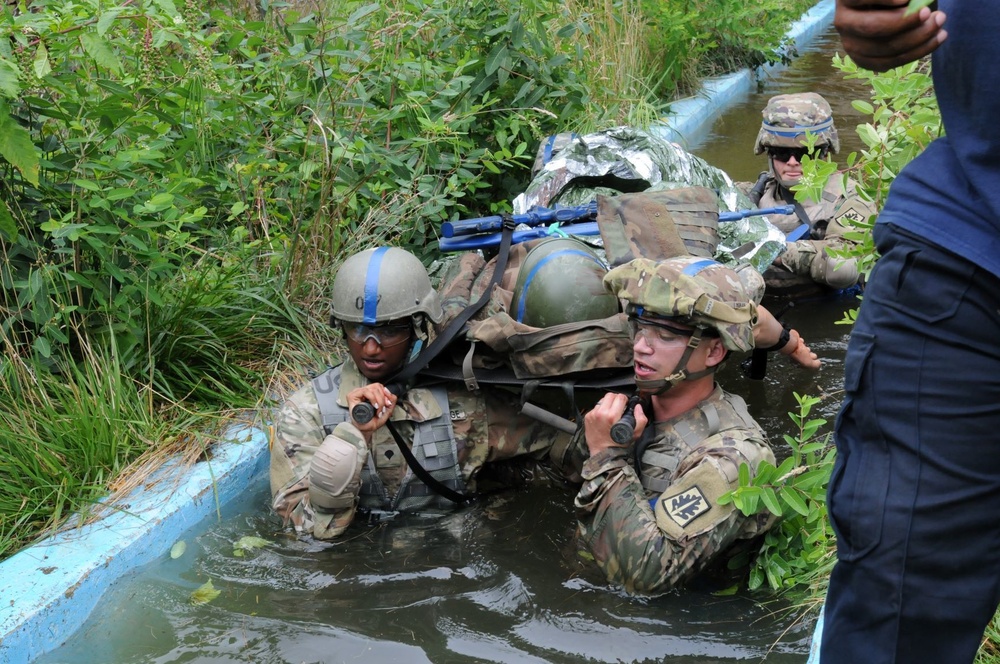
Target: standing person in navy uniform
915,488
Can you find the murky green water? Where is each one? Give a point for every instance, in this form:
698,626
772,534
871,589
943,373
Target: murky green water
498,582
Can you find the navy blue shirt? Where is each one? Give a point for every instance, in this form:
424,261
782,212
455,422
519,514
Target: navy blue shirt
950,194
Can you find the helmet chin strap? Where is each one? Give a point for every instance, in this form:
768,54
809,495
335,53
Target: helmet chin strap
680,374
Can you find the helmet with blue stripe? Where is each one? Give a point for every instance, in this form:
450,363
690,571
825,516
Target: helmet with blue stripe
383,284
788,119
561,281
693,291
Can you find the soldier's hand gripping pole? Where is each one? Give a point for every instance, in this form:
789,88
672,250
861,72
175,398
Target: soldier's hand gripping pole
623,431
364,412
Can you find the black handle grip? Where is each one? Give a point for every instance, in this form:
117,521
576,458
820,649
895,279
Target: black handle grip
623,431
364,412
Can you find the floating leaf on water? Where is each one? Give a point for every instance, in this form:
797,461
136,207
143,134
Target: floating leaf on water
248,543
726,592
205,594
178,549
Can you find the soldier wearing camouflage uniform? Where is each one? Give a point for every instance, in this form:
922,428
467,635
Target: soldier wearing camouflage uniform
787,121
325,465
648,511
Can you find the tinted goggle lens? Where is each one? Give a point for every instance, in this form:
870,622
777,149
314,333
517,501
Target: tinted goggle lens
784,154
384,335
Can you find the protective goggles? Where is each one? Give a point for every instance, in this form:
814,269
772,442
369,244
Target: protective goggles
657,332
385,336
784,154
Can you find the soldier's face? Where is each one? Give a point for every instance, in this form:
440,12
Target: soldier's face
656,350
787,163
376,361
788,172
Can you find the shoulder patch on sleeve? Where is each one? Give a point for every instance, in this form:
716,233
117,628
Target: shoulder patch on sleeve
853,211
686,506
690,506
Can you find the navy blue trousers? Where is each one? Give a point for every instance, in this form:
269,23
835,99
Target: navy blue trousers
915,493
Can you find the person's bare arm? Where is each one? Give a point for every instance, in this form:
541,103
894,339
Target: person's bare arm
878,35
767,333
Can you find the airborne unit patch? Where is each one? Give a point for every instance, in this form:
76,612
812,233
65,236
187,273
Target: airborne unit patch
686,506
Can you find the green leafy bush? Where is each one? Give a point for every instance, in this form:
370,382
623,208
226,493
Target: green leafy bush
798,546
692,39
144,138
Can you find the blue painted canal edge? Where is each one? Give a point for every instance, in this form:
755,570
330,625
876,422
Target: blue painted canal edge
48,590
692,117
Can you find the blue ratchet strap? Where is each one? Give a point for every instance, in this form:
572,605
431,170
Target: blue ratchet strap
800,232
555,231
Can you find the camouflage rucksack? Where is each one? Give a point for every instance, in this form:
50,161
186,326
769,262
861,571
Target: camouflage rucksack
659,224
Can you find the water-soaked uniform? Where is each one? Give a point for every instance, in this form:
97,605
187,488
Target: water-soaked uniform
457,434
686,465
806,262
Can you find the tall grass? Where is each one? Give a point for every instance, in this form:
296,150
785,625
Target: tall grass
218,338
625,80
63,437
649,52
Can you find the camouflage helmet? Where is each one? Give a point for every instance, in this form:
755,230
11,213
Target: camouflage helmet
383,284
788,118
694,291
561,280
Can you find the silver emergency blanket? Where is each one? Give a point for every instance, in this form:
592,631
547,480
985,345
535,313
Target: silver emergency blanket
626,159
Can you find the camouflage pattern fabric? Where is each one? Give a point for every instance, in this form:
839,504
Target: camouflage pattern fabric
532,352
488,429
832,217
659,225
454,278
556,351
651,550
626,160
694,290
789,118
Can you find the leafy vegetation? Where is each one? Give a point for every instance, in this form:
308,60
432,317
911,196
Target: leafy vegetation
905,119
180,180
797,551
678,42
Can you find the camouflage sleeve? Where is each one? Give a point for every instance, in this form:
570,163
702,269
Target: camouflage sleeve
649,550
848,215
502,435
296,435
